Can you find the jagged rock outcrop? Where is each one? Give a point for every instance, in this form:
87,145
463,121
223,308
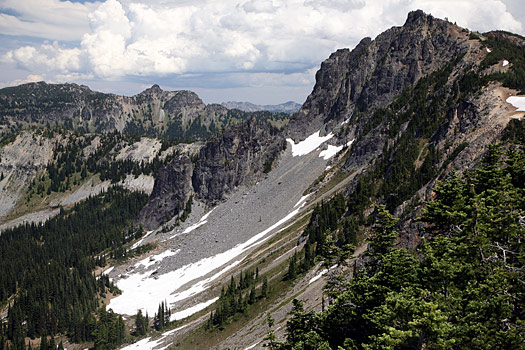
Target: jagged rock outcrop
418,100
372,74
237,157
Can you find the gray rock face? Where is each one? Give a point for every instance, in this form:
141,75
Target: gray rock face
375,72
171,190
237,157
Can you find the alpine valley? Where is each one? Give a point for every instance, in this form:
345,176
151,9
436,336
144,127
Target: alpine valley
387,213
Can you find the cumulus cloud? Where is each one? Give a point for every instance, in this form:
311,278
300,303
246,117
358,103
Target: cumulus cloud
269,40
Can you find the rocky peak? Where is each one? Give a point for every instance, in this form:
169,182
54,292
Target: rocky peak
416,17
153,90
376,71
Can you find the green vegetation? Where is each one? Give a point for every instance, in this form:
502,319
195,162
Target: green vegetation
461,289
236,298
47,270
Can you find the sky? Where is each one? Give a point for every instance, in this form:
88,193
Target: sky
261,51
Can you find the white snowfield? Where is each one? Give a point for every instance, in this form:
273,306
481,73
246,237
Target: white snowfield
518,102
505,63
333,150
145,291
309,144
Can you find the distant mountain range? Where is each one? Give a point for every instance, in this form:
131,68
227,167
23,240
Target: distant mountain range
287,107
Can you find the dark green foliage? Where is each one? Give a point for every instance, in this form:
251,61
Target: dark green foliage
325,218
236,298
515,131
503,49
49,266
463,287
162,318
141,324
110,330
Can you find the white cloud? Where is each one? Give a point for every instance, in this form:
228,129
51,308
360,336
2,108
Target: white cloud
47,19
31,78
264,42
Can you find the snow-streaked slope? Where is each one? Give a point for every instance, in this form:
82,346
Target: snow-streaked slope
224,237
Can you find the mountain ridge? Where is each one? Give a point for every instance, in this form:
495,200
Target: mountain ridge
285,107
384,124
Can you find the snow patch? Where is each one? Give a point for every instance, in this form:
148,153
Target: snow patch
144,344
191,310
505,63
194,226
488,50
201,222
141,240
319,275
165,334
330,152
152,260
309,144
108,270
144,291
303,198
252,346
518,102
205,217
333,150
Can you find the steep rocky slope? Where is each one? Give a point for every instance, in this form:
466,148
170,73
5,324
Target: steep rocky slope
237,157
376,71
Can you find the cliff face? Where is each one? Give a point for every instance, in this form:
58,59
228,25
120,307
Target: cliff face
375,72
237,157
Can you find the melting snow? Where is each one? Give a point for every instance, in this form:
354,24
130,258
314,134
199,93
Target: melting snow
205,217
252,346
144,291
152,260
141,240
309,144
333,150
201,222
505,63
144,344
191,310
518,102
194,226
319,275
165,334
303,198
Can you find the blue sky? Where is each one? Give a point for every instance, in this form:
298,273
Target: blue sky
262,51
